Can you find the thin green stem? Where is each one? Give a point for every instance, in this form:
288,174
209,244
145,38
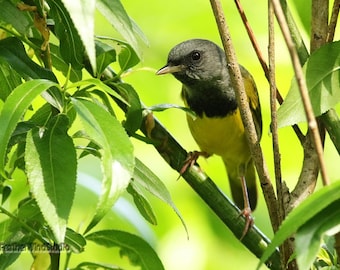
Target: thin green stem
67,260
23,38
31,230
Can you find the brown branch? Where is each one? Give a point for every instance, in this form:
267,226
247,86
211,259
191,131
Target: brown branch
284,250
333,21
312,123
263,63
274,128
246,115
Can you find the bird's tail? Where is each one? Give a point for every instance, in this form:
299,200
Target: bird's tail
236,187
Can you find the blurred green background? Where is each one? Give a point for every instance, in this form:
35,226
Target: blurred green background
209,245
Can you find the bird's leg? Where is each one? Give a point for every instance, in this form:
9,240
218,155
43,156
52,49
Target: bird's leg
246,212
191,160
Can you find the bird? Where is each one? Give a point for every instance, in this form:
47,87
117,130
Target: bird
202,68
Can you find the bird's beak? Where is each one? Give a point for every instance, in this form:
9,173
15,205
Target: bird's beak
169,69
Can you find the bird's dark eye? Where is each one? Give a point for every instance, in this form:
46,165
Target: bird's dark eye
195,56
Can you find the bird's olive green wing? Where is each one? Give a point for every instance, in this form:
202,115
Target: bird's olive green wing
254,101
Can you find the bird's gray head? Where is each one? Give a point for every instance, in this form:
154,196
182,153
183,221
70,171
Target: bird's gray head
196,61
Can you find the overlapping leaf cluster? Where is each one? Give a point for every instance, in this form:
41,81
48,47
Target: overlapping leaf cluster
54,110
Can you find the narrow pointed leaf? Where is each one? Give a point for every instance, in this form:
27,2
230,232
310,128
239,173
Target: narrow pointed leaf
115,13
9,79
51,166
71,46
144,177
10,14
134,112
163,107
143,205
116,150
105,56
14,107
13,51
138,251
75,75
82,15
308,238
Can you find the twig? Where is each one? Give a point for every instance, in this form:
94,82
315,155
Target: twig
247,119
285,248
312,124
333,21
332,123
262,61
274,131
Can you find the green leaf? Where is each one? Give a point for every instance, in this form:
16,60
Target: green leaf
28,211
7,259
115,13
308,209
163,107
10,14
322,72
9,79
51,165
106,100
13,109
6,191
61,65
116,150
74,242
127,57
309,237
304,10
99,84
142,203
105,56
144,177
13,51
71,45
134,114
82,15
139,252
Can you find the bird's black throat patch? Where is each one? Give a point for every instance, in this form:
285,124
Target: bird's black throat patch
212,103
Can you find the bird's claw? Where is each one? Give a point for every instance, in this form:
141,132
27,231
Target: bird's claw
249,221
191,160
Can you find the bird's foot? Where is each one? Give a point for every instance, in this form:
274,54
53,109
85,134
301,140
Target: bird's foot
191,160
249,221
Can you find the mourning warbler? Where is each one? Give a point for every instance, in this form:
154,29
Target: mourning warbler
201,66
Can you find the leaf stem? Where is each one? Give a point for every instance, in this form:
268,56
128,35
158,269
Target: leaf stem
31,230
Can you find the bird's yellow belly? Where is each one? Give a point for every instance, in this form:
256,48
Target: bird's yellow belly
221,136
